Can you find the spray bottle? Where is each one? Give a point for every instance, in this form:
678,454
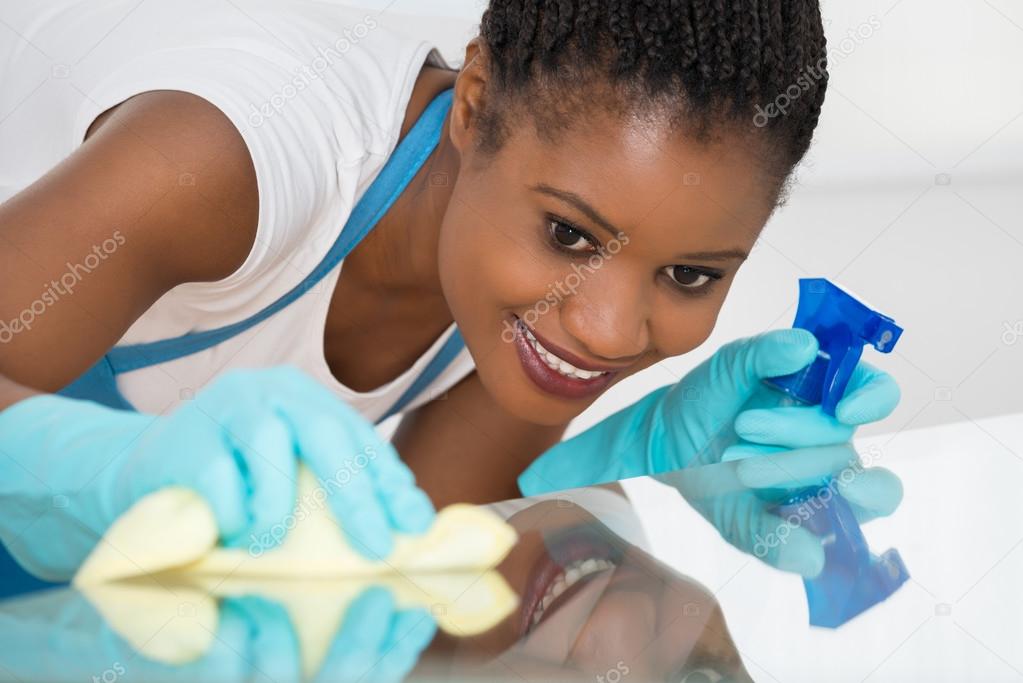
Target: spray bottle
853,579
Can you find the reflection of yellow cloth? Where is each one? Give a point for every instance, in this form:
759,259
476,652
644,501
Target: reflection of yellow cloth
176,623
448,570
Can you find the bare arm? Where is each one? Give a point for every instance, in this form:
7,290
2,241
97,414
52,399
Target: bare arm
161,193
464,448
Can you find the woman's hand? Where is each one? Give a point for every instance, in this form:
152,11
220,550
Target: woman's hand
72,467
722,410
707,419
701,420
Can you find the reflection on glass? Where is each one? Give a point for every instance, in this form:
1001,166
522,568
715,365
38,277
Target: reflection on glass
594,607
800,510
590,606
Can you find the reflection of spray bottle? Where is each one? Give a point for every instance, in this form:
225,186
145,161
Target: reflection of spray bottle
853,579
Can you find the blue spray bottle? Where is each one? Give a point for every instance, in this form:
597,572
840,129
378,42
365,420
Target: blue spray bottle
853,579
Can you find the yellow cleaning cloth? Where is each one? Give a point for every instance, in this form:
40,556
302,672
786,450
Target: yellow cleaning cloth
448,570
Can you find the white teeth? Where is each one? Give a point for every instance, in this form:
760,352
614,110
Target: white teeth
573,573
557,364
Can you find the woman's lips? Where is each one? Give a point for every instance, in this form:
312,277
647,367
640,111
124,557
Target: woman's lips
568,355
561,553
550,380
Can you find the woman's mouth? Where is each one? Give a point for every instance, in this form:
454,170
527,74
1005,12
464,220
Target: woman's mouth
570,563
575,574
552,372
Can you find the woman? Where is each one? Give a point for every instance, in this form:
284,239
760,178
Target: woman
576,199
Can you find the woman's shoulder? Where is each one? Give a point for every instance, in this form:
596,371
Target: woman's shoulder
321,69
316,90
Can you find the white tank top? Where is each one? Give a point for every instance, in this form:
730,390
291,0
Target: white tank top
317,90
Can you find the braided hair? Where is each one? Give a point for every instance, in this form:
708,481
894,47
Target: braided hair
758,67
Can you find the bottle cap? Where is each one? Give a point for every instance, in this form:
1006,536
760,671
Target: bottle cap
843,325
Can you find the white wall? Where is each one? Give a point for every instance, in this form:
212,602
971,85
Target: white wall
912,197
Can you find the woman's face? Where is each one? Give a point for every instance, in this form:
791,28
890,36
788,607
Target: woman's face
572,266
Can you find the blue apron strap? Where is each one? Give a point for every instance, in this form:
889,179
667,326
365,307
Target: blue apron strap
452,347
99,382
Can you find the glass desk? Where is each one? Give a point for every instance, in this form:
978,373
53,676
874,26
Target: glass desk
603,589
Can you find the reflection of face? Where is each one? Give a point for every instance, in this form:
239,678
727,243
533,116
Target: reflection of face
620,610
517,245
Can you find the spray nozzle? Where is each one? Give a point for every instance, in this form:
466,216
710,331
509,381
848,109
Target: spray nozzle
843,326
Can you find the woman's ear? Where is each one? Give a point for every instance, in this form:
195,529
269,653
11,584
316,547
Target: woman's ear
470,91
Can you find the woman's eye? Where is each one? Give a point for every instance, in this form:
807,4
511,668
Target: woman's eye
569,238
690,278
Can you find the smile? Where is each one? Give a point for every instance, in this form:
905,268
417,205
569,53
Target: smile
575,573
554,362
572,559
553,373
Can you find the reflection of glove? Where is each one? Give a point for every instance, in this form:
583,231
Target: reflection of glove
60,636
738,497
255,639
675,426
72,467
378,643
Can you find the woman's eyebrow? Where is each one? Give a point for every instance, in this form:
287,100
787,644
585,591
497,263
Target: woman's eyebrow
595,216
725,255
579,203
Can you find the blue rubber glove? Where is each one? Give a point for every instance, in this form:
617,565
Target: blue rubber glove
738,498
676,426
69,468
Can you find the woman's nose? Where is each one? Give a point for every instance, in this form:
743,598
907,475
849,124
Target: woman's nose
611,322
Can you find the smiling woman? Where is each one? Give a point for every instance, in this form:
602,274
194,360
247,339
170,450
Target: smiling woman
629,124
483,250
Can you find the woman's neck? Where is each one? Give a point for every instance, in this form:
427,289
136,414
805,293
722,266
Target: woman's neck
387,307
